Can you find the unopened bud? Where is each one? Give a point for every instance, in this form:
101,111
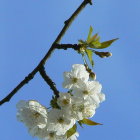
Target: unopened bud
92,75
103,54
108,54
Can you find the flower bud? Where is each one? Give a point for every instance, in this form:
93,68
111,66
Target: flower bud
103,54
92,75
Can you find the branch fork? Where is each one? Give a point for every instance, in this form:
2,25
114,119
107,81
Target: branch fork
40,67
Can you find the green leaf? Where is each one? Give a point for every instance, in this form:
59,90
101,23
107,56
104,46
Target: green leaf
79,122
71,131
106,44
90,33
93,38
90,54
89,122
95,44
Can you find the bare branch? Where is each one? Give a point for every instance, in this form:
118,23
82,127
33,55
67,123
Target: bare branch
48,54
49,81
19,86
64,29
76,47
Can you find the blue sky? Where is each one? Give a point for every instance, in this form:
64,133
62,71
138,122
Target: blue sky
28,28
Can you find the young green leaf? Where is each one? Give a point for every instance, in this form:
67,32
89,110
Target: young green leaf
90,54
92,39
89,122
71,131
90,33
80,124
106,44
95,44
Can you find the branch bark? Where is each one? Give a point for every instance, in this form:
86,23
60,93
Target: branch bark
48,54
76,47
49,81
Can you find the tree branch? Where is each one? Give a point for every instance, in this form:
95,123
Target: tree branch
64,29
48,54
14,91
49,81
76,47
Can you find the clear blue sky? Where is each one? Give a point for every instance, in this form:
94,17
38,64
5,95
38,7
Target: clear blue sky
27,29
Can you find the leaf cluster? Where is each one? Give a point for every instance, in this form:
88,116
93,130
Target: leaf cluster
87,48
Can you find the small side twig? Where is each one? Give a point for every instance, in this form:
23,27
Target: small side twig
48,81
76,47
67,24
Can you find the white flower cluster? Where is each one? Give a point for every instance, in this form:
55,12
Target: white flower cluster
79,103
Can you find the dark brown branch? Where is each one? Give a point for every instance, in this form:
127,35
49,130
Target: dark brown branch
48,54
76,47
14,91
65,28
49,81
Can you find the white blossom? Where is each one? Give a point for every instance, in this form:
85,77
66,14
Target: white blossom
60,121
90,91
87,89
32,114
45,134
64,100
51,135
75,77
82,109
79,103
97,98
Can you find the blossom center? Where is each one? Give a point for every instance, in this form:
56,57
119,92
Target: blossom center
36,114
51,134
65,101
81,108
60,120
85,92
74,80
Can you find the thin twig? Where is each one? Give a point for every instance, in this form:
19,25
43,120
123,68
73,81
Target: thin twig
64,29
76,47
49,81
14,91
48,54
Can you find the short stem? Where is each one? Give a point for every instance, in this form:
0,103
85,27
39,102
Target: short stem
76,47
49,81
